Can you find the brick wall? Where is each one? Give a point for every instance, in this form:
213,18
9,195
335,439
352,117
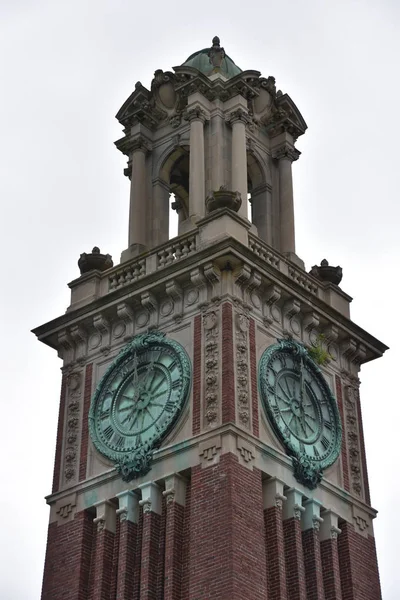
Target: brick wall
358,565
275,551
295,572
68,558
227,546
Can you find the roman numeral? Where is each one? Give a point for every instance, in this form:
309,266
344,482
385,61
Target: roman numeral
325,442
316,453
328,425
302,449
172,365
105,414
276,411
176,384
108,432
170,406
120,441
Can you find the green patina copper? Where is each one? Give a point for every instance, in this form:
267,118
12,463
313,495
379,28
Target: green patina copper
301,409
138,400
213,60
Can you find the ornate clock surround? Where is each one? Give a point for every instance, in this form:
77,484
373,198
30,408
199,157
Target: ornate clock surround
138,400
300,408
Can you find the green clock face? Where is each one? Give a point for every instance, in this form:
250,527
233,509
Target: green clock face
300,407
138,400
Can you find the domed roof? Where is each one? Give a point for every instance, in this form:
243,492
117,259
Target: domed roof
213,60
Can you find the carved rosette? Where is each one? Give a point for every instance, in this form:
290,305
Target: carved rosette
353,438
242,369
74,391
211,367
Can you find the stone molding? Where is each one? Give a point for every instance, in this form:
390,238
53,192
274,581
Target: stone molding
212,347
72,427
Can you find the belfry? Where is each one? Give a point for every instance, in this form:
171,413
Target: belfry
210,442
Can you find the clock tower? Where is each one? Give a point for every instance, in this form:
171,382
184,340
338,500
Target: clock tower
210,442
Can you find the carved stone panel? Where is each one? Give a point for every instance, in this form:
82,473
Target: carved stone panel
212,408
353,439
242,369
72,431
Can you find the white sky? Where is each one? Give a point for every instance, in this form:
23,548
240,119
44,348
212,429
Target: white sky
65,70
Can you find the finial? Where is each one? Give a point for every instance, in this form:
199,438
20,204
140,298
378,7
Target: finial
216,41
327,273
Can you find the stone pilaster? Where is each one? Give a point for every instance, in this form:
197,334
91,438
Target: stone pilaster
311,550
261,203
104,547
328,534
137,207
238,119
151,503
197,196
175,496
285,154
273,499
159,222
128,513
295,573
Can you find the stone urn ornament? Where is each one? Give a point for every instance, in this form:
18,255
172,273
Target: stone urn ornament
325,272
94,261
223,198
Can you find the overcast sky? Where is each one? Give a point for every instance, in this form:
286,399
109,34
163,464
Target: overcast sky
65,70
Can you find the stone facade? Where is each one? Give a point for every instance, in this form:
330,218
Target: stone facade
220,514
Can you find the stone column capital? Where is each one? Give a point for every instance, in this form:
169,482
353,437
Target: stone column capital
312,518
273,493
196,113
105,518
151,498
238,116
139,144
128,506
293,507
286,152
175,489
329,527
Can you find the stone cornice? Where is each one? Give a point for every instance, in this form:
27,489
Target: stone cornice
189,452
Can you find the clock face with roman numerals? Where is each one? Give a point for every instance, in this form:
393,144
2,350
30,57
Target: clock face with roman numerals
140,397
299,404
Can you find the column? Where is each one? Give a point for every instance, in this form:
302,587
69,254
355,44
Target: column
137,207
311,550
158,228
329,532
262,211
175,495
149,566
103,562
196,116
128,513
295,573
274,498
238,120
285,155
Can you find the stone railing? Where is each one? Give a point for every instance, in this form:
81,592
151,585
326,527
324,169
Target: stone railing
273,258
165,255
176,249
127,273
264,251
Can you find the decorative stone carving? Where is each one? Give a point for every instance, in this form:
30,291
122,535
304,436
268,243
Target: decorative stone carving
65,507
271,311
242,369
195,114
210,450
74,391
238,115
247,452
286,152
353,442
211,367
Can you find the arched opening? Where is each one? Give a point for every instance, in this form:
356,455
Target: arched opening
259,196
175,174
